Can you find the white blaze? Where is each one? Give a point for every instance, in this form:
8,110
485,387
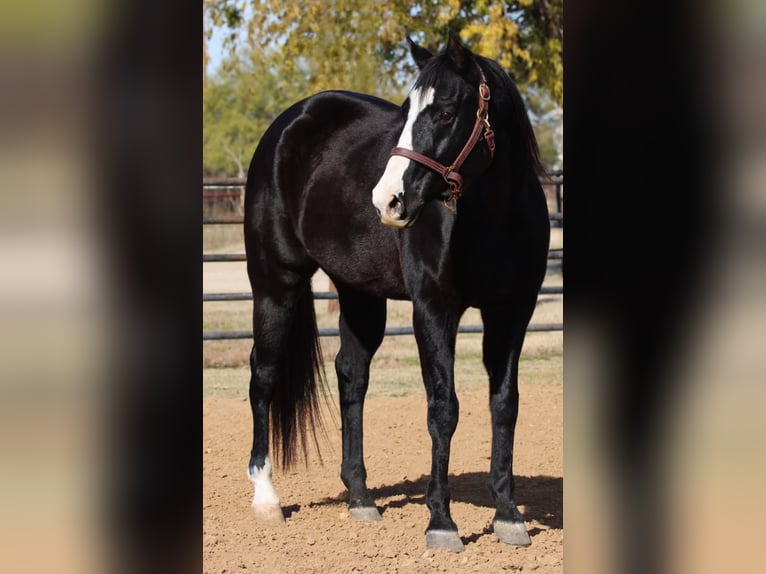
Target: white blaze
265,495
391,182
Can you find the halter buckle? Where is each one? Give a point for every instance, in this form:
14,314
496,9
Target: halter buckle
484,92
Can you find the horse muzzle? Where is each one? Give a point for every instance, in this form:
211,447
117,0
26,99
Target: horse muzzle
393,212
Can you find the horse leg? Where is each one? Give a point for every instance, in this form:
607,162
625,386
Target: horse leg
362,324
435,333
272,316
503,339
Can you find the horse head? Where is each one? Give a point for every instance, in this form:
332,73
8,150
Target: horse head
439,146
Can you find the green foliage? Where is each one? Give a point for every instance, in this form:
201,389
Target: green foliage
540,42
546,117
238,105
280,51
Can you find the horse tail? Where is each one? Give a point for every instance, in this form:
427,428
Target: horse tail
295,405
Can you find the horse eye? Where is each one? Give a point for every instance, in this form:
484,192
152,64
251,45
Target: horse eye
444,117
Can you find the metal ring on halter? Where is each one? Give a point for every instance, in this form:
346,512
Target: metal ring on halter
451,173
484,118
455,193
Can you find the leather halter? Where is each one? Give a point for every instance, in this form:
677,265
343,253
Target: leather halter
450,172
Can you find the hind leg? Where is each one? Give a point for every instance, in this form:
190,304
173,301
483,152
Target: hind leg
272,317
362,324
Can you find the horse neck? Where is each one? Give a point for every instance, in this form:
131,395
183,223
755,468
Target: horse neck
508,188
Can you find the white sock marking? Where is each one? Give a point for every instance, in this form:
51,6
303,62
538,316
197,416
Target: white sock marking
264,495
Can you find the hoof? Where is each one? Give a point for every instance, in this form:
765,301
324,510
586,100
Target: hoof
364,513
269,513
514,533
447,539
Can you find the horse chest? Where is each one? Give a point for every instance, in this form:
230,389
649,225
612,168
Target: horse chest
494,270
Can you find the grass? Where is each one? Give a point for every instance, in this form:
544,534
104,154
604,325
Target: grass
396,351
393,376
395,370
223,238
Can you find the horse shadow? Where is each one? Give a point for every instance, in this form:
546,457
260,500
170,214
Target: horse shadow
541,496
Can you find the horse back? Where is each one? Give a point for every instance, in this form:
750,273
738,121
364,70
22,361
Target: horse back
310,182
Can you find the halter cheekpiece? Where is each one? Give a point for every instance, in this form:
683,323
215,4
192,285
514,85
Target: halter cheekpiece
450,172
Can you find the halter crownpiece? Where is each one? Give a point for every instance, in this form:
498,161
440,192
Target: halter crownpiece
450,172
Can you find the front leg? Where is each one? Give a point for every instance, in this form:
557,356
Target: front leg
435,331
504,331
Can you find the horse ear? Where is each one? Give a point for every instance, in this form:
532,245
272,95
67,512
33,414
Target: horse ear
457,53
419,54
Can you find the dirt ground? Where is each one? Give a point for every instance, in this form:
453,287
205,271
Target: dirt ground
318,535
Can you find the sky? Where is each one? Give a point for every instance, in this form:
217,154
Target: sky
215,51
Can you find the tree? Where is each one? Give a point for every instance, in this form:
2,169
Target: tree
546,117
238,106
359,44
281,51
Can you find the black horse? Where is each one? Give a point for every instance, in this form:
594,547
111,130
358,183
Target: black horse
454,175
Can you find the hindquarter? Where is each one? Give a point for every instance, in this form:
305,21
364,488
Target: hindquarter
332,154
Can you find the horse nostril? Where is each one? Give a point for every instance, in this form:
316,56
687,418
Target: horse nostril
395,206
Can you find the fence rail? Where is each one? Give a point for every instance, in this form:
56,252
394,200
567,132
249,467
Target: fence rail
391,331
553,254
330,295
554,178
555,259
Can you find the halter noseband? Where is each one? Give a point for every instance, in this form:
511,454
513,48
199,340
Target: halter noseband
450,173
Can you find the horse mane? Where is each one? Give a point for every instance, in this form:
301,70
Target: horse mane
517,119
515,114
